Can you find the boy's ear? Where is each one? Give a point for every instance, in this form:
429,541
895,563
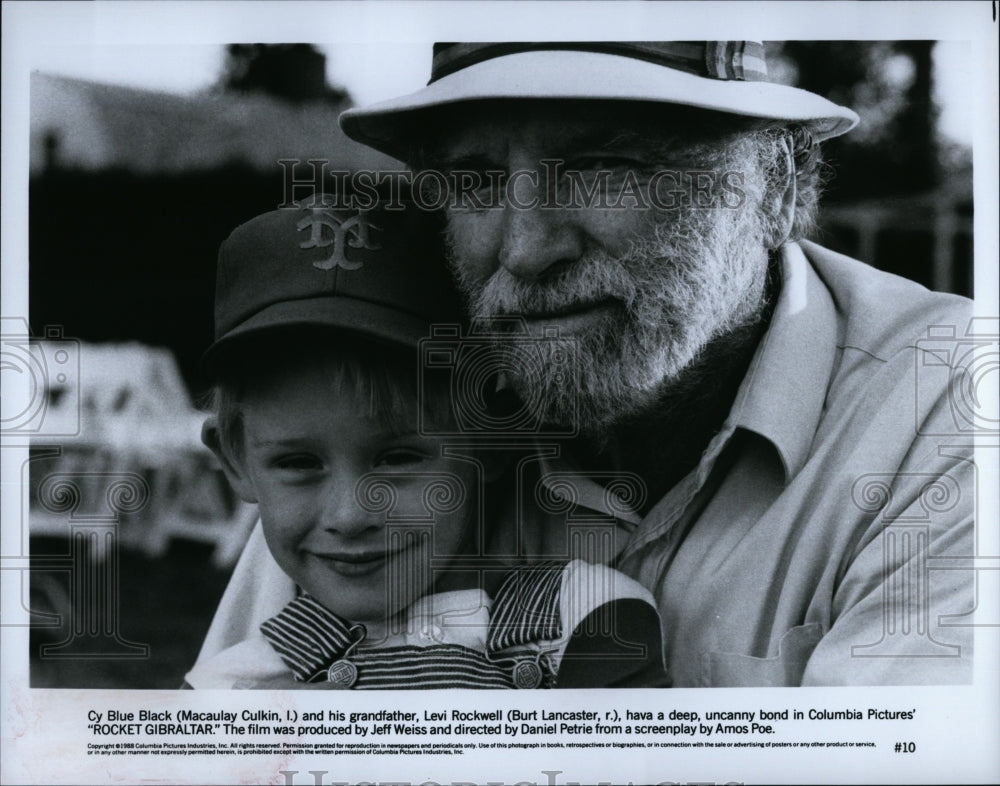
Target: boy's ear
211,437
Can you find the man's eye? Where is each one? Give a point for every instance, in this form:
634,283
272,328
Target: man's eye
475,189
601,162
297,461
400,457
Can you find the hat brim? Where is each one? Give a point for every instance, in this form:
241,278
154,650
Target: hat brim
568,74
343,314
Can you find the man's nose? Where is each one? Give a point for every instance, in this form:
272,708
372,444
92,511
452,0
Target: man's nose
538,240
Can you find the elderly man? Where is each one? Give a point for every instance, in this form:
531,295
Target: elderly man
802,484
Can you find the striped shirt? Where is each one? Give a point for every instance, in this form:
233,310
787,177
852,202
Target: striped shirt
463,639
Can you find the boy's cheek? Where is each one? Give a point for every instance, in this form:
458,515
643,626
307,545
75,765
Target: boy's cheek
284,550
282,504
283,526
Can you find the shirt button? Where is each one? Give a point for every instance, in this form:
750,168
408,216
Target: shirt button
431,633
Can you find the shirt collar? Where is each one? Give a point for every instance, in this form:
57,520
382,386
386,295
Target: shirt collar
309,637
781,397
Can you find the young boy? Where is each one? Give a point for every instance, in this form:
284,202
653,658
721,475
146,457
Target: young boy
320,419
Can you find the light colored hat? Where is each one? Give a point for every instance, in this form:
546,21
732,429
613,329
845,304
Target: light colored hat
724,76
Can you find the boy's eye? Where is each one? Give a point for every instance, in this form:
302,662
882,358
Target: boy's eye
399,457
297,461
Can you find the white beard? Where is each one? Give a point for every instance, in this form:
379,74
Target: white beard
698,275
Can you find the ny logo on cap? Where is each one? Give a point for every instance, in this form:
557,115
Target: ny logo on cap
353,232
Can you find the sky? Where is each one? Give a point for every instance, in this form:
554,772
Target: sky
364,69
370,75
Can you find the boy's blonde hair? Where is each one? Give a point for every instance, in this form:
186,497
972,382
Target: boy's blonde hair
381,379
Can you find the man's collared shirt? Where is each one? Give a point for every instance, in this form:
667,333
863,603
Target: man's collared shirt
816,541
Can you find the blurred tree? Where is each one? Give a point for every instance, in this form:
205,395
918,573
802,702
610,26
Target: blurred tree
895,149
294,72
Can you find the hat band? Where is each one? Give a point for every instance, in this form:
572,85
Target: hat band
726,60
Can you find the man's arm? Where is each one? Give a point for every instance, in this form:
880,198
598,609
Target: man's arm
902,611
616,638
616,646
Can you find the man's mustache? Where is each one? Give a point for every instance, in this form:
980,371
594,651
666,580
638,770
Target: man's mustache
650,266
593,280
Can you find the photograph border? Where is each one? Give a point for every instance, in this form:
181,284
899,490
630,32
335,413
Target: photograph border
45,734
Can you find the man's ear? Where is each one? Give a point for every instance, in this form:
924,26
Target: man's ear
211,437
784,215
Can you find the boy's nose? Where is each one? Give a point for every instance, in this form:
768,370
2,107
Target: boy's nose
343,515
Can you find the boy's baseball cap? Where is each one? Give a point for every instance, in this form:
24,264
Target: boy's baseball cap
380,273
722,76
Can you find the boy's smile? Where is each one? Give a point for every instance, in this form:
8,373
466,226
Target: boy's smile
355,564
344,498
